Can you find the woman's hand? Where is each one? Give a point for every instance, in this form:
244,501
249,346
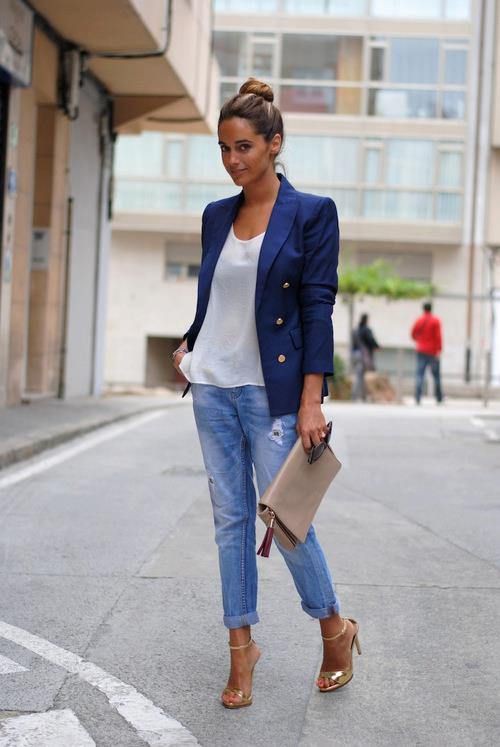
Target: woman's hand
177,359
311,423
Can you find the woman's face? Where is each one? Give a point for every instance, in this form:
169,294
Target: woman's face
246,156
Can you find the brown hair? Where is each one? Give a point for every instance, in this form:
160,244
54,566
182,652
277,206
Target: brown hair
254,102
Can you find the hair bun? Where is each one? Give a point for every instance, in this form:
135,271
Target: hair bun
252,85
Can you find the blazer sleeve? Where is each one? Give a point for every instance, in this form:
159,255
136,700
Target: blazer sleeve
318,289
203,249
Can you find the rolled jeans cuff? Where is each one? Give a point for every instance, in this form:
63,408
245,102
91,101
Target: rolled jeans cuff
322,612
239,621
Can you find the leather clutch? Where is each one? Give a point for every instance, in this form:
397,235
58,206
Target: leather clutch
289,504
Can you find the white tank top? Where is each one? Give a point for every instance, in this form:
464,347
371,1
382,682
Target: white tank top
226,351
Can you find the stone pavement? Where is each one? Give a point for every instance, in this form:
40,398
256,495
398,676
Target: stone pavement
28,429
109,555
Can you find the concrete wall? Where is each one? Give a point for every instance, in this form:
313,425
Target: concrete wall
143,303
85,177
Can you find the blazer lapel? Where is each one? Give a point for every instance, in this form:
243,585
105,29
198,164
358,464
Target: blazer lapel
280,224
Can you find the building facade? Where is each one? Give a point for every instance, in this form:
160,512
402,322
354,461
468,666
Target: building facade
73,75
384,104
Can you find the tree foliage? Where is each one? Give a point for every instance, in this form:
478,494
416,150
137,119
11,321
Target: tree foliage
379,279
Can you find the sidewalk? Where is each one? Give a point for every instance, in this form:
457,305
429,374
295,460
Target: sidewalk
27,429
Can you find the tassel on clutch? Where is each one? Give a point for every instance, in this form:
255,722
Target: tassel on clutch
290,502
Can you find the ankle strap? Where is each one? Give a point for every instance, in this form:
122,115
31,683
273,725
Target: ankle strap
333,637
245,645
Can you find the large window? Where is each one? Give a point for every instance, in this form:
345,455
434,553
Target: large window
436,71
372,178
453,10
325,74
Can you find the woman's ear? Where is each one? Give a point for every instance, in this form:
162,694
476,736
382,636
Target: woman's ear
276,144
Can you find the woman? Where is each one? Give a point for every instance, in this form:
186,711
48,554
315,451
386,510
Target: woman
256,355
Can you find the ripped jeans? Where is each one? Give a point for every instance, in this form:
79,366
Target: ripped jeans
236,434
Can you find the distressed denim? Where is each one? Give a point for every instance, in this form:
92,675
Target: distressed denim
237,434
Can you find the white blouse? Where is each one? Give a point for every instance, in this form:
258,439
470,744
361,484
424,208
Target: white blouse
226,351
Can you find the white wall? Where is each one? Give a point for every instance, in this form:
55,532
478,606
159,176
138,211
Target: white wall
85,175
142,302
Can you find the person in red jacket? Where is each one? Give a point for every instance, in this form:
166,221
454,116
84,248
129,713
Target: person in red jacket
427,334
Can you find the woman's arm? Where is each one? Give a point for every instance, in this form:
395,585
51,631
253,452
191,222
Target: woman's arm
317,296
311,423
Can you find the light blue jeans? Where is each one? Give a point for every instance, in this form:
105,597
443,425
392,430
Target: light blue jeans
237,433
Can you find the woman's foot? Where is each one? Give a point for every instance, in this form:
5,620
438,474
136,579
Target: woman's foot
238,691
337,652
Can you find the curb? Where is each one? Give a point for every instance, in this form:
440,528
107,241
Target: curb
31,449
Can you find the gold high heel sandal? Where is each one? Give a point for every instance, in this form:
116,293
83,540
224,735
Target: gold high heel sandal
245,700
343,676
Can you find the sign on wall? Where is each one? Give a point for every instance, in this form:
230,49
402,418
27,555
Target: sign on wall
16,40
40,249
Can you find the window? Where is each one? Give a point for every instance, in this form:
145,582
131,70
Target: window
246,6
318,57
262,57
457,10
139,155
406,9
410,163
455,66
147,197
402,104
320,99
417,78
204,158
392,205
230,50
414,60
373,164
175,270
450,169
317,160
179,270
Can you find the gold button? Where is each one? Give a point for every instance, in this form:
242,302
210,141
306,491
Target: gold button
286,284
279,321
281,358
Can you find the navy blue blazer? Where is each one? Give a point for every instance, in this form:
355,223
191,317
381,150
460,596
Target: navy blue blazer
295,290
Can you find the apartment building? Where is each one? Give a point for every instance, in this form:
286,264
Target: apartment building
73,75
386,103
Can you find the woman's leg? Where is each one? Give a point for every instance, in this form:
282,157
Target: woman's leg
271,439
270,442
228,464
227,459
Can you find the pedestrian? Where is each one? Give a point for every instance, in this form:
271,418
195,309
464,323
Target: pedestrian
363,349
428,338
256,356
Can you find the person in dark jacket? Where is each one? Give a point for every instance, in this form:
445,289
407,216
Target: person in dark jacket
363,349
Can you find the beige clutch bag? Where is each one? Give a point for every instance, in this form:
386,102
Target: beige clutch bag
290,502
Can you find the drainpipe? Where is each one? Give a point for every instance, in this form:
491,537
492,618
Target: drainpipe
61,387
478,159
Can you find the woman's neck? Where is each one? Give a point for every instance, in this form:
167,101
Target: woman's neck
264,191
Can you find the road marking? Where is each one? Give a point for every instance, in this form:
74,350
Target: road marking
152,725
68,452
7,666
54,728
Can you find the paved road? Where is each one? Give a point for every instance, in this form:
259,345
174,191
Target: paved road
109,603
